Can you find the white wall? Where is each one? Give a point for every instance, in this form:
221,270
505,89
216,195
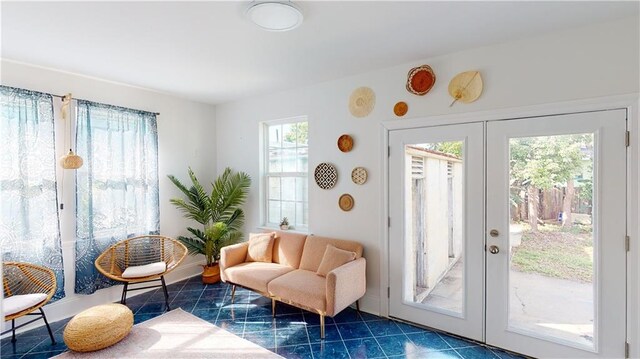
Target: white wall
589,62
186,137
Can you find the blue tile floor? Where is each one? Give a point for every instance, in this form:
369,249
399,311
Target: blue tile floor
293,333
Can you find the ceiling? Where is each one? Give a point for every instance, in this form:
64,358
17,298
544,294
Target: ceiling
209,52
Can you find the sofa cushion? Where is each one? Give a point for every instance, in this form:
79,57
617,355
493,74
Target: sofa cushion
287,248
315,246
260,247
255,275
334,258
301,287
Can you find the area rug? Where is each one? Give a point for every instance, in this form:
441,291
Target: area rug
178,334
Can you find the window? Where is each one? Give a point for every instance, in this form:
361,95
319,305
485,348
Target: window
286,153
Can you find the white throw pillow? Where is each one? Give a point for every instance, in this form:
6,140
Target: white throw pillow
18,303
145,270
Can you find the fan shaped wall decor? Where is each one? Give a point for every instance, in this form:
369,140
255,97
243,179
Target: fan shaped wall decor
326,175
466,87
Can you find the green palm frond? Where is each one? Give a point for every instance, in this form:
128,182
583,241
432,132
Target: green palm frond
218,211
194,245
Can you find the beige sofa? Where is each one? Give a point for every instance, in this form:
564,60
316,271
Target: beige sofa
291,277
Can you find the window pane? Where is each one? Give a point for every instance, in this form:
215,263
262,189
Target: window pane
302,159
300,215
274,188
275,160
289,160
301,189
289,211
289,135
288,189
303,133
274,212
275,136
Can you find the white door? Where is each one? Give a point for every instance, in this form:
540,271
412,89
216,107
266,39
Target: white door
436,242
557,290
515,237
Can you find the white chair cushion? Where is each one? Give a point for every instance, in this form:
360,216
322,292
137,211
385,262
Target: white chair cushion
145,270
18,303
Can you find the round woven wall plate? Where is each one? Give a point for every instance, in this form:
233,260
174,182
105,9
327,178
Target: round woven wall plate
359,175
400,109
346,202
326,175
420,80
345,143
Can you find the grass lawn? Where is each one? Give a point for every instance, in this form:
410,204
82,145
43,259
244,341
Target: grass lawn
556,252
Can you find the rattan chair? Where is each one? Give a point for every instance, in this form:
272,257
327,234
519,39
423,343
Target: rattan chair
22,282
139,260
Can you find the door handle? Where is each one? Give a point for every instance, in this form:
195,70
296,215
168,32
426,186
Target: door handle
494,249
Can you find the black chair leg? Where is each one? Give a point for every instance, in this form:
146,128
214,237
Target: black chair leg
123,299
44,317
13,330
166,293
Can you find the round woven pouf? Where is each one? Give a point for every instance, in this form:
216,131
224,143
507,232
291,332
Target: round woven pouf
98,327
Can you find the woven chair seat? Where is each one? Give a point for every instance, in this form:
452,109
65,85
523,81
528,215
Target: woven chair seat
98,327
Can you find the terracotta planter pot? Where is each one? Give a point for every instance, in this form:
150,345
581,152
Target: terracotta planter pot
211,275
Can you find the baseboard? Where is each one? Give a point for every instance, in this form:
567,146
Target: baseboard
73,303
370,304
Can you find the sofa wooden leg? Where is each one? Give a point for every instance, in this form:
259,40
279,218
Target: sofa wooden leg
273,307
358,305
233,292
321,326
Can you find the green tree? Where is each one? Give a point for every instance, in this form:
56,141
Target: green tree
299,131
540,163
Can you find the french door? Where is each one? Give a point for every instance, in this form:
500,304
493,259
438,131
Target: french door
512,232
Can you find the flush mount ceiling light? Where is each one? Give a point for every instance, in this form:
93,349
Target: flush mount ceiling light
275,15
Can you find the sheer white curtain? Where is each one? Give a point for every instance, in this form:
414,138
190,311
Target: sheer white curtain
117,188
29,224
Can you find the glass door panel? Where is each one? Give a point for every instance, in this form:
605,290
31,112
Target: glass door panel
552,282
436,244
435,236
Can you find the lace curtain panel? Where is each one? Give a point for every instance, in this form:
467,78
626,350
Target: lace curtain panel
29,225
117,188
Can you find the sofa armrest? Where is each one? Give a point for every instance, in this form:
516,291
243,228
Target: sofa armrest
231,256
345,285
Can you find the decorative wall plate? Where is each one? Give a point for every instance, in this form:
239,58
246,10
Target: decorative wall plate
420,80
346,202
361,101
400,109
326,175
359,175
345,143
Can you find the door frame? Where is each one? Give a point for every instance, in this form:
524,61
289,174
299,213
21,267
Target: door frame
630,102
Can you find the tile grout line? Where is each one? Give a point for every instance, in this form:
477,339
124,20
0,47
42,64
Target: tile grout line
376,339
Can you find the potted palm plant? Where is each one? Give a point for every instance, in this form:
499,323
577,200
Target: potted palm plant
219,212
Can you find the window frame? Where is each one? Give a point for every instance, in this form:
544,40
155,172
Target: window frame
266,175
